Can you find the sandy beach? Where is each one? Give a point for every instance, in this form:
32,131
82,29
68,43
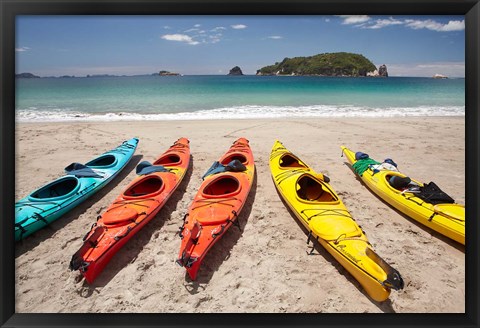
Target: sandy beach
264,266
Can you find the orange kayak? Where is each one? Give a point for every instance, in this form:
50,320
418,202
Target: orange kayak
132,210
217,204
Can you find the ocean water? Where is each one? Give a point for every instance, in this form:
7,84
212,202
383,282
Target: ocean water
233,97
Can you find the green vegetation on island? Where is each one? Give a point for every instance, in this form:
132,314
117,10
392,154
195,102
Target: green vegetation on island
327,64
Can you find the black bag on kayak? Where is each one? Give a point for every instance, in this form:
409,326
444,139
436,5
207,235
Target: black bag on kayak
432,194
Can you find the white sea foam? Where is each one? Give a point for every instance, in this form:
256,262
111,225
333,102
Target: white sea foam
240,112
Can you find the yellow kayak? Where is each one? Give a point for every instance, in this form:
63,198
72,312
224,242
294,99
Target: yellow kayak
327,220
446,218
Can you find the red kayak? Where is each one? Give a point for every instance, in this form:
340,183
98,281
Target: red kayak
132,210
217,204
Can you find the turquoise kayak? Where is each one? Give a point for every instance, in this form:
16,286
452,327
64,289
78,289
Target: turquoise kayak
50,202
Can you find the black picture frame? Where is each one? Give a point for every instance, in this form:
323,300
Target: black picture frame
11,8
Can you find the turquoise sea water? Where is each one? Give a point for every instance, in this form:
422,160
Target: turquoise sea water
225,97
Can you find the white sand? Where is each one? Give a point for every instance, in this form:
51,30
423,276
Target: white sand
265,266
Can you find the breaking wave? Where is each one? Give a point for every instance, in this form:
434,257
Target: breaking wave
240,112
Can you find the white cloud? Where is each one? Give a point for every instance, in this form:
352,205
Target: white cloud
197,25
435,26
22,49
196,36
218,28
238,26
454,26
275,37
381,23
354,19
366,22
167,27
180,38
214,39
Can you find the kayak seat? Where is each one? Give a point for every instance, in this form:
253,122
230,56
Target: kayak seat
398,182
224,185
150,185
119,215
311,190
58,188
53,192
330,227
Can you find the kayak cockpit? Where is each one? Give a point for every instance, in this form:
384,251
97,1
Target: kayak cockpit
311,189
222,187
168,160
397,182
103,161
60,188
150,186
288,160
233,157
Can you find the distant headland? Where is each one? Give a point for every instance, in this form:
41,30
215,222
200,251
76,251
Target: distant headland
326,64
27,76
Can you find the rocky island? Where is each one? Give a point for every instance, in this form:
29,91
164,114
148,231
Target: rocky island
167,73
381,72
235,71
326,64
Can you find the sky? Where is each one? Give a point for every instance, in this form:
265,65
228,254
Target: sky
204,45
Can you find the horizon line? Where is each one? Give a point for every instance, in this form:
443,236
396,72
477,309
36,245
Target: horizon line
215,74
